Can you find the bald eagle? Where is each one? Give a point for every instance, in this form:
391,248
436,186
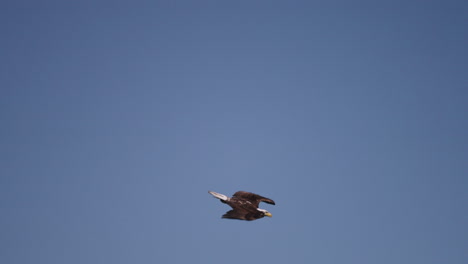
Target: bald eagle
244,205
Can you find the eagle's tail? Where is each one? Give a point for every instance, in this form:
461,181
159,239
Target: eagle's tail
222,197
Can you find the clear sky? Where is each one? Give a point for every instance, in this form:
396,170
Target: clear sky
116,119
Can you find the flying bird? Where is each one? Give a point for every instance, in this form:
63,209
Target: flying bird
244,205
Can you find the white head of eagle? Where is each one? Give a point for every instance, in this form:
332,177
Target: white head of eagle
244,205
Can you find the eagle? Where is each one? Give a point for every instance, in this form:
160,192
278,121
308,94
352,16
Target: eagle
244,205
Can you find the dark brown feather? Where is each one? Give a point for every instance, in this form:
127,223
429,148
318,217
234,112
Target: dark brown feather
243,214
253,198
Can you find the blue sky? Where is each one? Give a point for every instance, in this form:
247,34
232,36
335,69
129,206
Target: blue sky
117,119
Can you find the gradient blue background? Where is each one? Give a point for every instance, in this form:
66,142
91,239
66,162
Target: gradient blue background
116,119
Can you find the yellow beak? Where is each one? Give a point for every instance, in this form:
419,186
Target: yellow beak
268,214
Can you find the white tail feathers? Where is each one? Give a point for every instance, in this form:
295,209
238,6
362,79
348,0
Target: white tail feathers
219,196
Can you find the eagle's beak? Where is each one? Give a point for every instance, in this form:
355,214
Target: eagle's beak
268,214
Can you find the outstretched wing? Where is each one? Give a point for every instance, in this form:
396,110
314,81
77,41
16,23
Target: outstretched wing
236,214
242,214
253,198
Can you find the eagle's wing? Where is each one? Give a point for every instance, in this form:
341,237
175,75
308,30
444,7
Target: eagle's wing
242,214
236,214
253,198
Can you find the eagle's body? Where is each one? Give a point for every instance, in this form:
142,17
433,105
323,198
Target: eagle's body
244,205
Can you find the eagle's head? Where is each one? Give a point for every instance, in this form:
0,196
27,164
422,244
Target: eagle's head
265,212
